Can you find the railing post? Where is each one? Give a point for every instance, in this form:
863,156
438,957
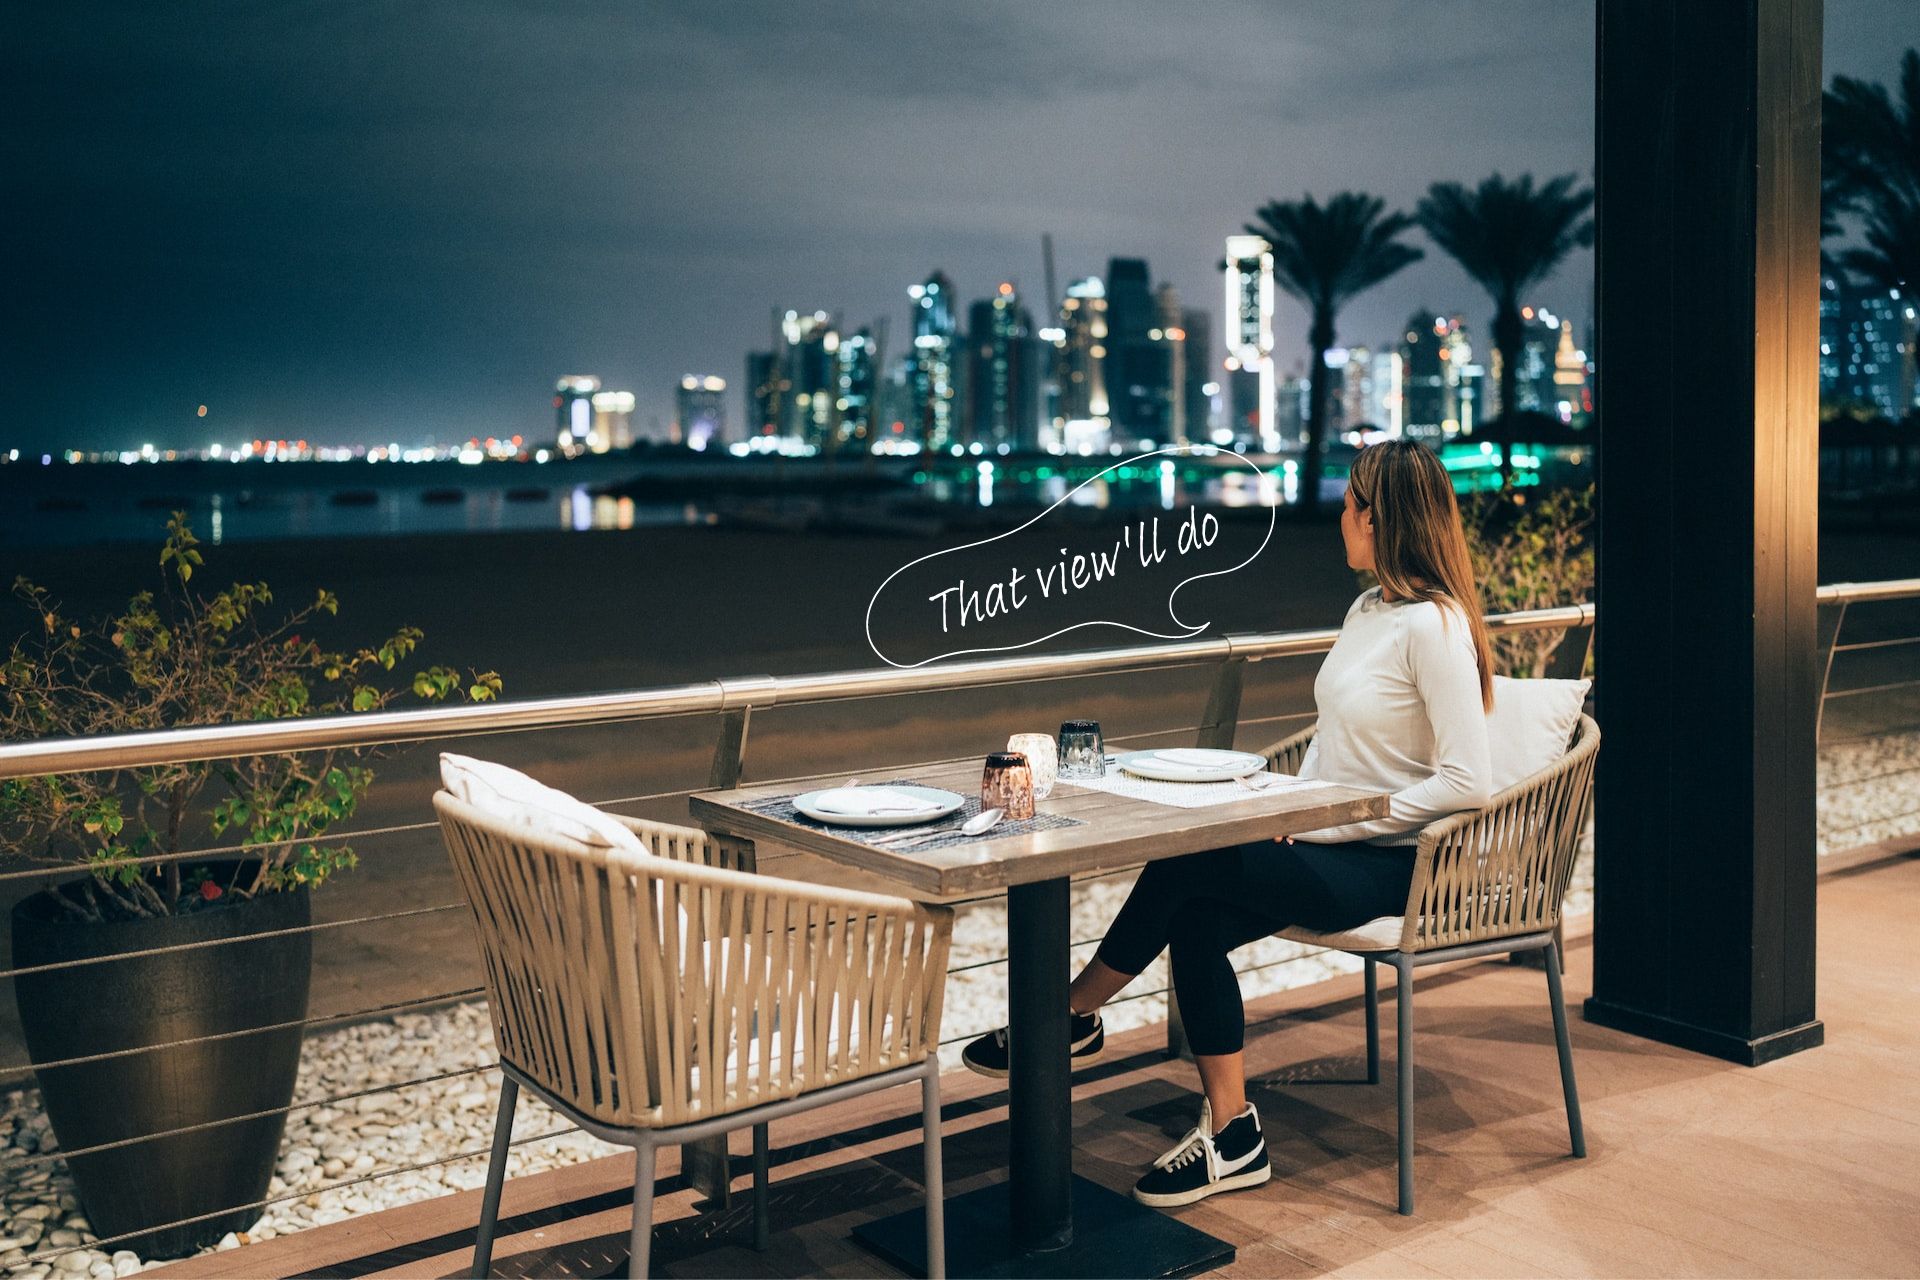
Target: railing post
705,1163
1221,722
1827,620
1569,658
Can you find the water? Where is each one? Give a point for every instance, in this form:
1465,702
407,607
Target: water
87,504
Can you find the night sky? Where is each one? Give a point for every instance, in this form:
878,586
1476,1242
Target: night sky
361,221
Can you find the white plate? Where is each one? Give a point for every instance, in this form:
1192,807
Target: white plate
945,802
1192,764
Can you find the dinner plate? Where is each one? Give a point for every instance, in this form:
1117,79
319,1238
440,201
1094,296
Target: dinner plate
943,803
1192,764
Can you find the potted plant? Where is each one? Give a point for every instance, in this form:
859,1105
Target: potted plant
167,988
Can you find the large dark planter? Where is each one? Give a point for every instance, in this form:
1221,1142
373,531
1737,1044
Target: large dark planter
154,999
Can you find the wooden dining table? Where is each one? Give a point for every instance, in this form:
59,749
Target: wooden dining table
1042,1220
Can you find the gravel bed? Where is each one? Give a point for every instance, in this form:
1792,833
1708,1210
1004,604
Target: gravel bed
335,1157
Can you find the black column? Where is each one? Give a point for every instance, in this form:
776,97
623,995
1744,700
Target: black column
1708,168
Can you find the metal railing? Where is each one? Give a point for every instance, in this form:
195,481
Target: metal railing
732,700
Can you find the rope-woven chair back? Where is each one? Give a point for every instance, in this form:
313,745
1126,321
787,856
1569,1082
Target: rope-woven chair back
652,991
1506,872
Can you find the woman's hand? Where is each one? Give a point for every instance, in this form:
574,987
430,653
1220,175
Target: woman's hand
1283,839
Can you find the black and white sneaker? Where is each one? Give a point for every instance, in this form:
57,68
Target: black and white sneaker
1206,1163
988,1055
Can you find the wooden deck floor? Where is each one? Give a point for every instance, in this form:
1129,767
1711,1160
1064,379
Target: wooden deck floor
1807,1166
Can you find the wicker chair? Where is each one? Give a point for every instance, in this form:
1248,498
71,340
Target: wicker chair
665,999
1484,882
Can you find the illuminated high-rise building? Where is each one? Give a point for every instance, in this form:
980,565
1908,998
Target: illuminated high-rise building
612,421
1202,371
573,412
1140,357
1080,410
1440,383
933,392
1249,365
1867,347
812,343
700,411
1003,384
767,390
854,375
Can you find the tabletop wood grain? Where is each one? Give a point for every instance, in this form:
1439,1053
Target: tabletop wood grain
1116,831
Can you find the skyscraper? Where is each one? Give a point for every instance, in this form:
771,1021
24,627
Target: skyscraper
612,421
1866,347
1172,340
811,344
1080,411
1250,339
1003,383
853,386
573,412
1440,388
931,380
1139,372
1202,371
767,390
700,411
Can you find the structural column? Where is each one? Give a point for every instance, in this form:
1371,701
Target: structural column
1708,181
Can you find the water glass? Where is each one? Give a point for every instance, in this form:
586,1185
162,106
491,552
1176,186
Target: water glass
1083,753
1041,757
1007,783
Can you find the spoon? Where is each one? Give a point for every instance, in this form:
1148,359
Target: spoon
985,820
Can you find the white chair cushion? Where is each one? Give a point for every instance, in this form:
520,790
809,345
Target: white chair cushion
1530,725
1382,934
514,798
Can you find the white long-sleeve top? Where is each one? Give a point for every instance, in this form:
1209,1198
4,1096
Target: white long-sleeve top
1400,711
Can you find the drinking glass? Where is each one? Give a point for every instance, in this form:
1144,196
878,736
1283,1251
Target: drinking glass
1007,783
1042,758
1083,753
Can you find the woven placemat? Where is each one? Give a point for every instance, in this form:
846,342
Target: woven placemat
1185,795
781,807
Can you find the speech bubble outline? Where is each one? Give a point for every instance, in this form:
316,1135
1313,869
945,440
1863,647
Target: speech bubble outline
1192,629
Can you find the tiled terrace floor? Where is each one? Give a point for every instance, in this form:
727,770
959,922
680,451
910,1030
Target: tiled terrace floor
1807,1166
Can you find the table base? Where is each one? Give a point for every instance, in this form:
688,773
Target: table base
1113,1235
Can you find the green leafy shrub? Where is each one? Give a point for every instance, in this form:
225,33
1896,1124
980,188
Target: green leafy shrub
1530,551
177,657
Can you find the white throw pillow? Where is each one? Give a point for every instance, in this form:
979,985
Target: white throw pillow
513,797
1531,725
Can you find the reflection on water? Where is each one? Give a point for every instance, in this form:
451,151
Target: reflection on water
325,501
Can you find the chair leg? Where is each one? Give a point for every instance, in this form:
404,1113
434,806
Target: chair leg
761,1210
1373,1021
496,1178
640,1242
931,1172
1404,1047
1574,1128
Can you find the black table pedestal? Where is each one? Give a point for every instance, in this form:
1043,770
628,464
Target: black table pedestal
1113,1235
1043,1221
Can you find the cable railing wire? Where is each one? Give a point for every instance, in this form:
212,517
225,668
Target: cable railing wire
50,1157
398,1006
173,947
303,1193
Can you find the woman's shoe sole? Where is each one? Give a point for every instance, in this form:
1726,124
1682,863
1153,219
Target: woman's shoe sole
1235,1182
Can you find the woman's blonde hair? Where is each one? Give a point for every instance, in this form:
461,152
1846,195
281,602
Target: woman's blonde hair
1419,544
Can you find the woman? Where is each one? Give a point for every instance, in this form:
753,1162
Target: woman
1402,699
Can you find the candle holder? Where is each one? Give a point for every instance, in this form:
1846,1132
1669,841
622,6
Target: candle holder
1042,757
1007,783
1083,752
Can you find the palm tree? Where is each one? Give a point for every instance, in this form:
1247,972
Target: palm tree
1870,161
1508,237
1324,255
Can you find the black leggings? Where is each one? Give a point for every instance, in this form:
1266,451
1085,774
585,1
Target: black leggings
1204,905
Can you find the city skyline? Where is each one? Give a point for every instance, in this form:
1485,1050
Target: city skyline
369,224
